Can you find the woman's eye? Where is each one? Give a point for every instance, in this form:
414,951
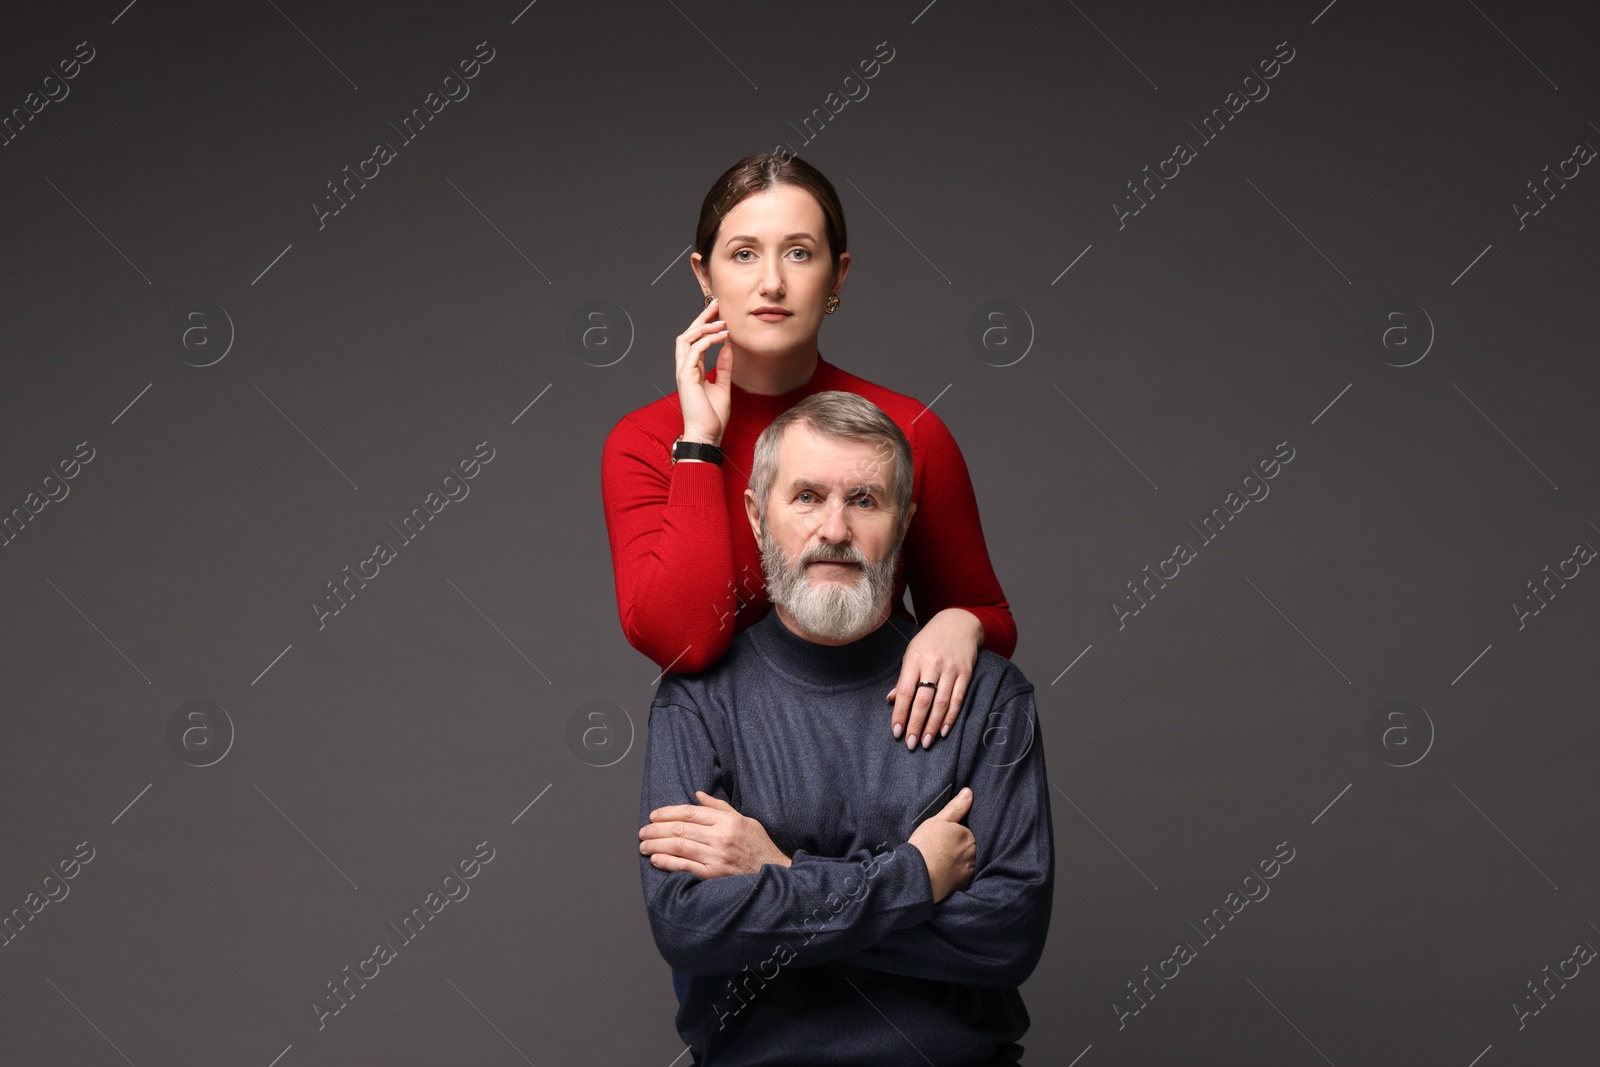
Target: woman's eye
805,253
741,252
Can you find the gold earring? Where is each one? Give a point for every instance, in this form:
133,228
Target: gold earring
707,302
832,305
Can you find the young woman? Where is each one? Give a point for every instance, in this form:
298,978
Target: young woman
771,259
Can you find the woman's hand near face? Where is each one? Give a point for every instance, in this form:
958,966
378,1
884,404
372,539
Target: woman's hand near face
705,404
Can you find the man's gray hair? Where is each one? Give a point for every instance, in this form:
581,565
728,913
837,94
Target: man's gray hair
841,416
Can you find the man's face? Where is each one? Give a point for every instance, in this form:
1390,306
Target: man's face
830,539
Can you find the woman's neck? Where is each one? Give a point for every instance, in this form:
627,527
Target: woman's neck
774,375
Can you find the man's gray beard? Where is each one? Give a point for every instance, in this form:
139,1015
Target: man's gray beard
826,608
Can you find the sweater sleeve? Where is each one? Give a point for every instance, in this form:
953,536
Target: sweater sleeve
804,914
947,562
671,550
991,934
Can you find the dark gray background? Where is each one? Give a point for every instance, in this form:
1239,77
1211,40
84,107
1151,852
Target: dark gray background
1231,314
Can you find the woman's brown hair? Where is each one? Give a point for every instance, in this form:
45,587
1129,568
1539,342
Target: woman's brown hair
757,173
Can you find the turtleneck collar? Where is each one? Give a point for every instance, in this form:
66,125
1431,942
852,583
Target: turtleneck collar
761,408
878,654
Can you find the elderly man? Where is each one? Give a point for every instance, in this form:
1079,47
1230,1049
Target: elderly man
809,878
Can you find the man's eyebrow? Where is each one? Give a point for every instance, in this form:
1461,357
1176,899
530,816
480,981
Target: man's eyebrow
856,489
757,240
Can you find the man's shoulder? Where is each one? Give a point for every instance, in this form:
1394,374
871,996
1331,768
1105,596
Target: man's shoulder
997,679
999,721
704,690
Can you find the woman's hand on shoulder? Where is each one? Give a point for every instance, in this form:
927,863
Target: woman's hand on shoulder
944,651
705,404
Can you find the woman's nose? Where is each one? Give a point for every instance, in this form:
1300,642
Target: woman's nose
772,280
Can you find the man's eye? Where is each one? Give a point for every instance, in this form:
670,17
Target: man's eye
865,497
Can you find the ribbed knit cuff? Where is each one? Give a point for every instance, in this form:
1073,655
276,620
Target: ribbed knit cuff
696,485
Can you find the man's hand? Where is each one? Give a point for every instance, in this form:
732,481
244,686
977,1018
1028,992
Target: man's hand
947,847
944,651
710,839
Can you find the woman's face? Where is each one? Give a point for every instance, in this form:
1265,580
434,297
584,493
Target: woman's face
771,251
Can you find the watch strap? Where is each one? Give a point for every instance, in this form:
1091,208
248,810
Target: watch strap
682,449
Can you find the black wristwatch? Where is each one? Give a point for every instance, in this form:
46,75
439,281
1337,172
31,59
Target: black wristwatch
682,449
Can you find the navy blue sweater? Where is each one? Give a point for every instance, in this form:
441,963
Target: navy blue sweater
843,957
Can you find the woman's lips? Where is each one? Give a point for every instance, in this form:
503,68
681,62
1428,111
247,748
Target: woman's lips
771,316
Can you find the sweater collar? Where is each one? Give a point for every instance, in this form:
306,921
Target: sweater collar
832,667
761,408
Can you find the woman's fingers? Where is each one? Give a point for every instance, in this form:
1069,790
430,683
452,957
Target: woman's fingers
904,693
918,729
946,703
692,345
958,695
706,340
705,405
724,367
926,712
939,711
706,322
707,314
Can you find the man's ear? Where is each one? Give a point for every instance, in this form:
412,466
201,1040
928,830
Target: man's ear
906,528
752,513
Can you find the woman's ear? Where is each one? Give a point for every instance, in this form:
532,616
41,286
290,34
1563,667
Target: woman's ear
844,268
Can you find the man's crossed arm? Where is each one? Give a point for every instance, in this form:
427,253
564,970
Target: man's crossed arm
722,895
713,840
709,839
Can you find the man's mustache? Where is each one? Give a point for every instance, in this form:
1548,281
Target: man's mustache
834,554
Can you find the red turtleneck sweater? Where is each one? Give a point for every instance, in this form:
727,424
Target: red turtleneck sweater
688,567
